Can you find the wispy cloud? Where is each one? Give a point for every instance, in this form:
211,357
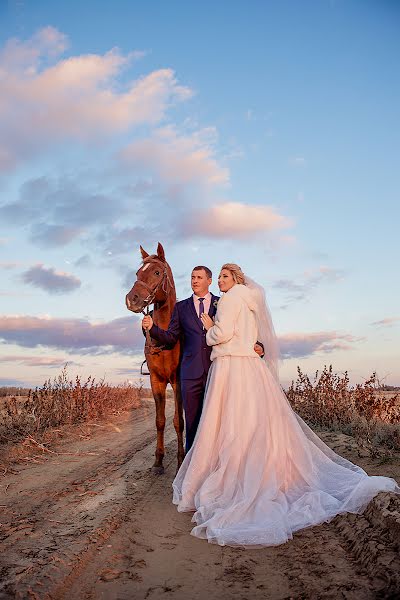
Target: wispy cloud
122,335
178,158
296,291
50,280
8,266
301,345
387,322
297,161
40,361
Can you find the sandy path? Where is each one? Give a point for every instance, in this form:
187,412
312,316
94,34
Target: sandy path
96,523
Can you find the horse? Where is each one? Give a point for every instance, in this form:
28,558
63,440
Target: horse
155,285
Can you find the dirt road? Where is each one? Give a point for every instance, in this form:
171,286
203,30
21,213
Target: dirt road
92,521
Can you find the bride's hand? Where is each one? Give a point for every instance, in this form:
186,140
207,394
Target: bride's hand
207,321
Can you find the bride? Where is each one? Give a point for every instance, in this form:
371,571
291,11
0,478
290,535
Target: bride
256,472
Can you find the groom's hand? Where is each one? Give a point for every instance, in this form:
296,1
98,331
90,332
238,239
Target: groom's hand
147,322
259,349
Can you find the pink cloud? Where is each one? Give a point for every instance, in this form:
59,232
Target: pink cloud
75,98
39,361
74,335
387,322
236,220
178,158
299,345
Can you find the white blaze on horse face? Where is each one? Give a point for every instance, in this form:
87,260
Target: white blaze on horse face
145,267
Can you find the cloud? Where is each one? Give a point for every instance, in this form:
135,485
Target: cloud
78,98
70,210
50,280
51,236
83,261
5,382
18,294
48,101
298,161
40,361
8,266
235,220
178,158
301,345
387,322
133,369
122,335
299,291
119,240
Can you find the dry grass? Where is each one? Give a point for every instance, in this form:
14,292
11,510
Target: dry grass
365,411
62,401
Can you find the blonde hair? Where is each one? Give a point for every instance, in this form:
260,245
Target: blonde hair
236,272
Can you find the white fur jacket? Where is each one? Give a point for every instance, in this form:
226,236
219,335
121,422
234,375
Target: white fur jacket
234,332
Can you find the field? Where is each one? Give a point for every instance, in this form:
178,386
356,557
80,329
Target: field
84,517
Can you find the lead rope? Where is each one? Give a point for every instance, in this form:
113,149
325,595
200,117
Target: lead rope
148,340
148,345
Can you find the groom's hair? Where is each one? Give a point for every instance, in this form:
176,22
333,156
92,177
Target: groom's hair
203,268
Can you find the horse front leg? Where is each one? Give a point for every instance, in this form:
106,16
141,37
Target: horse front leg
178,419
158,389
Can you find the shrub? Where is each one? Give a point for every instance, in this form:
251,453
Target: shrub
63,402
364,411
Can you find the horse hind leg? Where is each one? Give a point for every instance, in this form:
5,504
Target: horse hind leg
158,389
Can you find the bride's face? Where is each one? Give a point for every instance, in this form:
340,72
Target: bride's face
225,280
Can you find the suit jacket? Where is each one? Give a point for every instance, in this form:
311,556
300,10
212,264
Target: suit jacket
186,326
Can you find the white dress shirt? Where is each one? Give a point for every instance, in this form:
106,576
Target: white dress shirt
206,302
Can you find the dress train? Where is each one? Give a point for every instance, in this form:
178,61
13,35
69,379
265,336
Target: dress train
256,472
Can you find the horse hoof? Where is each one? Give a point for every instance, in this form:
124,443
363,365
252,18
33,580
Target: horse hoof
158,470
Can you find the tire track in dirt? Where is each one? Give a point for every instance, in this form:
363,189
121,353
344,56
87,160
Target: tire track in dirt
45,525
108,530
153,556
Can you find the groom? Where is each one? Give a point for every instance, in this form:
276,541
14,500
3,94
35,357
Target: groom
185,325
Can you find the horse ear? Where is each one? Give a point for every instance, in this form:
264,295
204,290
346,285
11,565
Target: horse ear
160,252
144,253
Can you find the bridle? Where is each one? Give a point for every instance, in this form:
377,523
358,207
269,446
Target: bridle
165,284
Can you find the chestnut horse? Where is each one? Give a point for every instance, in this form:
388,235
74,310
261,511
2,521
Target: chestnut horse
155,285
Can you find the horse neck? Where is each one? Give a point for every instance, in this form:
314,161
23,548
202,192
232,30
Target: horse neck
163,310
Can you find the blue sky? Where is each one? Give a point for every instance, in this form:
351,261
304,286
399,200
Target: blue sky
264,133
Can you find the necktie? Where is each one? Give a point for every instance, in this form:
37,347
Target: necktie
201,306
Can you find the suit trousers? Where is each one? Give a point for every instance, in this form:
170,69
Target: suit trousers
192,399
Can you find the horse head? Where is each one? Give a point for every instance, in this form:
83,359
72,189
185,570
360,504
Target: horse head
154,281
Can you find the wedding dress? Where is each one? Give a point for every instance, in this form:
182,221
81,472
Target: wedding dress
256,472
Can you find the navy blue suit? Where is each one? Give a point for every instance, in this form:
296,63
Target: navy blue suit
186,326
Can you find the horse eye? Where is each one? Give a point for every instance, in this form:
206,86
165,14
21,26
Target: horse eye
157,272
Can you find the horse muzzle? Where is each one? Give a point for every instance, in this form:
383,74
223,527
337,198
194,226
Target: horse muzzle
134,303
